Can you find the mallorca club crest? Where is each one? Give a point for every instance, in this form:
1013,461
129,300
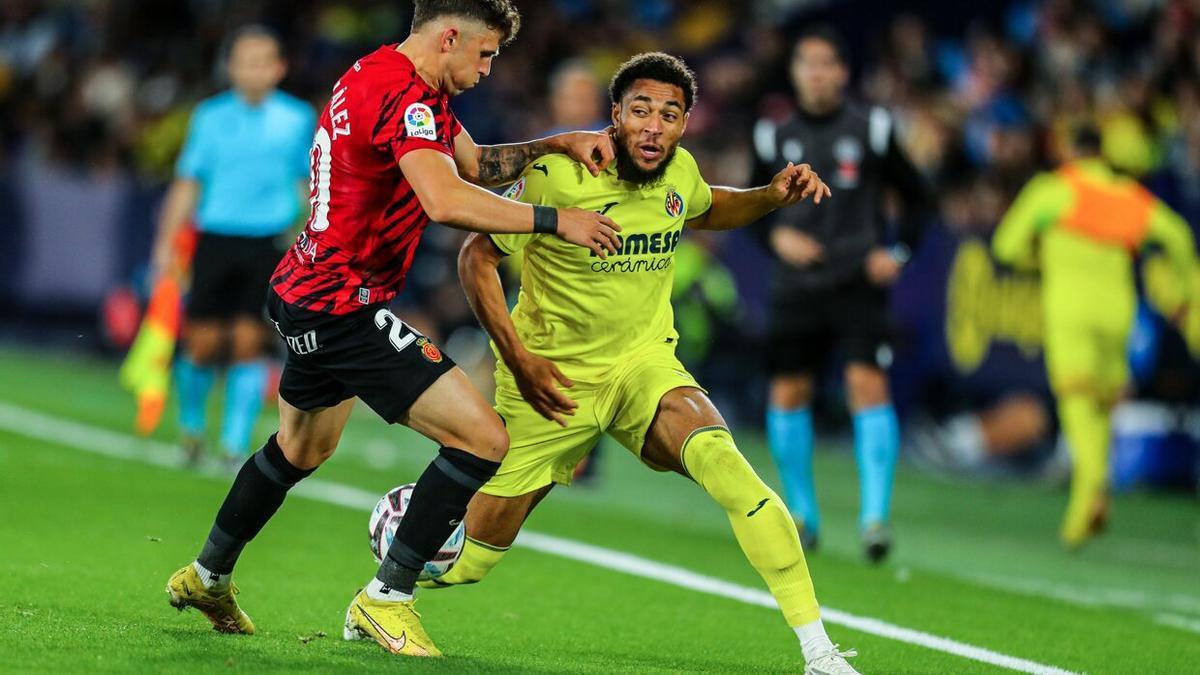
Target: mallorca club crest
429,350
674,202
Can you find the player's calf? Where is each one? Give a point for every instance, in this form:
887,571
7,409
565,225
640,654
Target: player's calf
876,450
438,505
492,526
765,531
257,492
760,520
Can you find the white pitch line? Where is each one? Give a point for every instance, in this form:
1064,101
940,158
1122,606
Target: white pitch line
1180,622
678,576
88,438
1087,596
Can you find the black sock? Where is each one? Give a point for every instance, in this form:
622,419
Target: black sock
257,492
438,504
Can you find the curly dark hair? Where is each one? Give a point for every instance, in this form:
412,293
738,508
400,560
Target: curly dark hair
654,66
501,15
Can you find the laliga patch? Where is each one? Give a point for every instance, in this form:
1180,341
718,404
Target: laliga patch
674,203
419,122
429,350
515,190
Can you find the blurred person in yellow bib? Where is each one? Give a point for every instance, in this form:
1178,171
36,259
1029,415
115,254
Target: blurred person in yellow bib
1083,225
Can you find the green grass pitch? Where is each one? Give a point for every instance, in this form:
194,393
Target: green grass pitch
87,542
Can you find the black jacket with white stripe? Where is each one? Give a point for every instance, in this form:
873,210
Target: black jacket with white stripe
855,151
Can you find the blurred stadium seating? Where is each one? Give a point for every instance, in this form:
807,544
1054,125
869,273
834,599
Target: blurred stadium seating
95,98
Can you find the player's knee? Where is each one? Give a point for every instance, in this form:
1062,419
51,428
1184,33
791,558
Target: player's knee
203,345
713,460
479,433
500,441
867,387
790,392
247,343
490,441
305,451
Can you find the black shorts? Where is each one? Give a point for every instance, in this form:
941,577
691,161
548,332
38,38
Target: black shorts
369,353
230,276
806,328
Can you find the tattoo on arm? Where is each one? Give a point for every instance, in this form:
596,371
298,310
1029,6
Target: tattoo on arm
500,164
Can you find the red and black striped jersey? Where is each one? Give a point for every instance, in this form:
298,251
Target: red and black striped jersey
366,220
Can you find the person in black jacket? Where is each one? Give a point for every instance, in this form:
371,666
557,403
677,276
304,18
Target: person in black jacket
829,283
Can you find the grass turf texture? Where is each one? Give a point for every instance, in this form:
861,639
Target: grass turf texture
89,542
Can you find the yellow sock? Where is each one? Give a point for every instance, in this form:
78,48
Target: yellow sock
476,561
1086,424
761,522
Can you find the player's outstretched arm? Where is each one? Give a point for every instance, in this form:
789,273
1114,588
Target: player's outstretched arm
536,377
450,200
496,165
733,208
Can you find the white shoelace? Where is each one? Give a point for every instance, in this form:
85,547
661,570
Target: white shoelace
834,653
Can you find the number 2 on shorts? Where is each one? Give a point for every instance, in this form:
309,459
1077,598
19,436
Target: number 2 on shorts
383,317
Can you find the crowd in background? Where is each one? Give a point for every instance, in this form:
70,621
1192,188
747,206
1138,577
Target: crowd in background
106,86
95,98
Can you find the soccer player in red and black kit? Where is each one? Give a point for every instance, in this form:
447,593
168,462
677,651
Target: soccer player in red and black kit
389,157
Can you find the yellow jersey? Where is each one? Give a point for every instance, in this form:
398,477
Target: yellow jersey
1084,223
585,313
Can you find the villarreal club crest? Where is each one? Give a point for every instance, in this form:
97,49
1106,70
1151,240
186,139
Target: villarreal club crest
674,202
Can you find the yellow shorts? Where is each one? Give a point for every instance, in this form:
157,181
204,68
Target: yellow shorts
540,452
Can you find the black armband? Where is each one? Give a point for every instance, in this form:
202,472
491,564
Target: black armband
545,220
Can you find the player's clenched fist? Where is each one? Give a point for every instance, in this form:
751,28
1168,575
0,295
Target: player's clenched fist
538,379
795,183
590,230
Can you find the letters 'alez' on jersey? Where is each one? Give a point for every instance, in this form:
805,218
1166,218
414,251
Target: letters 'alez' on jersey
366,220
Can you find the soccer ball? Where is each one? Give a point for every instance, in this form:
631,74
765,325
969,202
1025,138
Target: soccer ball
386,518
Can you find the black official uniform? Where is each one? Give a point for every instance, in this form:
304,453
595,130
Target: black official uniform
831,302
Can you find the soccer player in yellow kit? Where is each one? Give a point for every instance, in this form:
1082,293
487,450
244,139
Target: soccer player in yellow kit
1082,225
590,346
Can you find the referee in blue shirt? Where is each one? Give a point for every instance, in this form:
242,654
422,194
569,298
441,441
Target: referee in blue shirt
242,177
